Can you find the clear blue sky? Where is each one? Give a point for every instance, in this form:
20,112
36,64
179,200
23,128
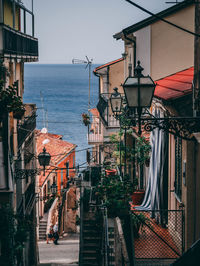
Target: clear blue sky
69,29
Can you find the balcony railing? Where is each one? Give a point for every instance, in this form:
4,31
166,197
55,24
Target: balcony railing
27,125
94,138
17,43
105,111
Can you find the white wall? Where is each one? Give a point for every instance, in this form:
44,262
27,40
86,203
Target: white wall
143,48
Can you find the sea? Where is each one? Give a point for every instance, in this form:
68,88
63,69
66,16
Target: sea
61,94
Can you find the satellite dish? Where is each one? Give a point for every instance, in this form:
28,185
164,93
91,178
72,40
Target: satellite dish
44,130
45,141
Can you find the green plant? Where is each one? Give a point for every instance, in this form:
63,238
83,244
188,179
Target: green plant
139,220
86,119
142,150
115,194
9,99
14,230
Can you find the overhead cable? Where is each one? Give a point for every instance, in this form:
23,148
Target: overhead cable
162,19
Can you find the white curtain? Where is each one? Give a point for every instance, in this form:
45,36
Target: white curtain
157,181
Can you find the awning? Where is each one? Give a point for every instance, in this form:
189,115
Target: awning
175,86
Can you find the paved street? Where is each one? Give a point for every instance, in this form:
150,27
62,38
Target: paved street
66,253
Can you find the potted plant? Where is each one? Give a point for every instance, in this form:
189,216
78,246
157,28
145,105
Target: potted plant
86,119
115,193
9,99
110,172
138,196
139,220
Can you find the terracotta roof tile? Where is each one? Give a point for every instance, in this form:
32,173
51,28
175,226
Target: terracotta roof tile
57,148
108,64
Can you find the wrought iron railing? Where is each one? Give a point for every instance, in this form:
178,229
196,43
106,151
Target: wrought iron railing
81,225
15,42
26,128
160,236
105,112
105,238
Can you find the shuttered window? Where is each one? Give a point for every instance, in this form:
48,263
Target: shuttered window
178,167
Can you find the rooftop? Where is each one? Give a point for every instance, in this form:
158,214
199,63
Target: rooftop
57,148
137,26
108,64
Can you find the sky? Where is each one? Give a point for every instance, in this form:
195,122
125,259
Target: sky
69,29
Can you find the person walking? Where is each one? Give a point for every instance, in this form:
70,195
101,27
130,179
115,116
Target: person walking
55,235
50,234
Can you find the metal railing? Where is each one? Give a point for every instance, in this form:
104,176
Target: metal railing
105,112
95,138
15,42
159,234
105,237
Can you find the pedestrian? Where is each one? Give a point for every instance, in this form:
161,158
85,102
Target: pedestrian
50,234
55,235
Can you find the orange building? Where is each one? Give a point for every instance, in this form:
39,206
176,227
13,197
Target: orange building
61,168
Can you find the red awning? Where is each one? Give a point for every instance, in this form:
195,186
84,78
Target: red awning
175,86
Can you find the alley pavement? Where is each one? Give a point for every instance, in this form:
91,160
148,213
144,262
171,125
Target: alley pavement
65,253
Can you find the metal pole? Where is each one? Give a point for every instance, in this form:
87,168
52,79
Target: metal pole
125,151
89,86
139,108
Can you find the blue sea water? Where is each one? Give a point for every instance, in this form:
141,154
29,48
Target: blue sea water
61,95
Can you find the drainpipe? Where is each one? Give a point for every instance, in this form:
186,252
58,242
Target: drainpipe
134,47
97,75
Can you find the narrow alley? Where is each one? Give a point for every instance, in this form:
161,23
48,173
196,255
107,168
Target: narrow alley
65,253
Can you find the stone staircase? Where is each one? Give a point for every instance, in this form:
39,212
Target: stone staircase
91,251
42,229
111,245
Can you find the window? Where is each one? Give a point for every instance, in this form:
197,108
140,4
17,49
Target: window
48,187
61,173
178,167
67,169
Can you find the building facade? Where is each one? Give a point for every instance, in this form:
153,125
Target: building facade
17,144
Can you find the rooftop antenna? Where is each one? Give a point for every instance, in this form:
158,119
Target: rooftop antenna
88,63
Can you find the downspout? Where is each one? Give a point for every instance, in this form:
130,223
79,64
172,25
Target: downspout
108,70
134,47
97,75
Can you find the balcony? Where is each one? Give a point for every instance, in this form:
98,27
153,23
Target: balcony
94,138
27,124
13,42
105,112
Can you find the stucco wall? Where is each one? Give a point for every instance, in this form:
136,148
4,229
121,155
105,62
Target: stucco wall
172,49
143,44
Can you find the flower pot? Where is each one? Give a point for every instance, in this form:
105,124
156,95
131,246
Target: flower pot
111,172
138,197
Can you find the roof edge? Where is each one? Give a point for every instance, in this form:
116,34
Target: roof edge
108,64
141,24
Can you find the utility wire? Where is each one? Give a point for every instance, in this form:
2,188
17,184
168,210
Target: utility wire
162,19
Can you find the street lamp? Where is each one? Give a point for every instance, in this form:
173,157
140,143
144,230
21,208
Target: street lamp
139,92
116,102
54,188
44,159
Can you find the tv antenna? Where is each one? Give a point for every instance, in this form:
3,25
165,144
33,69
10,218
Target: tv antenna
88,63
